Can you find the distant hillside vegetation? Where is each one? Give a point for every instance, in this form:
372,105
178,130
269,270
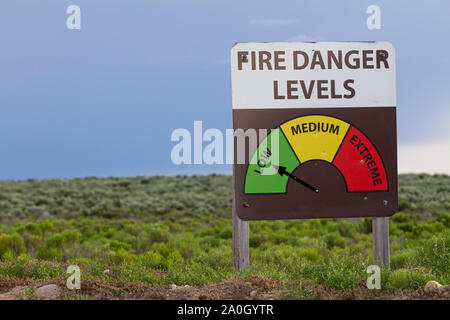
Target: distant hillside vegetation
158,195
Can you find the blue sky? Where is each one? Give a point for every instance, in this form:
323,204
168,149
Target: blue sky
104,100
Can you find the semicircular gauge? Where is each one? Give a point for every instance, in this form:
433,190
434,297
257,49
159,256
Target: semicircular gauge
316,137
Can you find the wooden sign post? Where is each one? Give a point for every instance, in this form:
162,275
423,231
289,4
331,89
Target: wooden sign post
316,123
241,254
380,230
240,240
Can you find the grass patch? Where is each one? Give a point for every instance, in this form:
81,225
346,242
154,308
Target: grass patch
155,231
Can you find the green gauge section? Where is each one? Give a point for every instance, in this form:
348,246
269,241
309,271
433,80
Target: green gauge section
261,176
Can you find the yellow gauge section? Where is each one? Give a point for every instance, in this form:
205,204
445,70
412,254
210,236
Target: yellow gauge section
315,137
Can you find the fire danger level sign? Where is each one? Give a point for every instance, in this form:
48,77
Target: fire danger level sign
316,123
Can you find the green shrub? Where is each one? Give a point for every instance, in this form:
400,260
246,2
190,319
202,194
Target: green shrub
174,259
210,242
33,228
365,225
24,258
406,226
434,253
158,234
121,256
55,241
12,269
334,240
340,272
402,217
296,290
256,239
153,260
309,254
7,256
46,253
404,206
116,245
12,243
187,245
46,225
407,279
43,270
403,259
70,236
226,233
444,217
347,229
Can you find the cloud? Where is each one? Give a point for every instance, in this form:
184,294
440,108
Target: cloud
305,38
431,155
424,158
272,22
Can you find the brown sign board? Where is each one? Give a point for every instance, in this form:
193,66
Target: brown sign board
315,127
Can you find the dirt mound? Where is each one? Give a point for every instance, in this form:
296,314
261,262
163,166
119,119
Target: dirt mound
256,287
16,293
236,288
362,293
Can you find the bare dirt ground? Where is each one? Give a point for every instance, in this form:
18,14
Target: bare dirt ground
256,288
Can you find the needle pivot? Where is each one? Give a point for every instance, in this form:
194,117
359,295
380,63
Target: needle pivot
282,171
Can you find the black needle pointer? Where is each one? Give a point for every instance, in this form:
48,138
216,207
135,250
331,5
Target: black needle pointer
282,171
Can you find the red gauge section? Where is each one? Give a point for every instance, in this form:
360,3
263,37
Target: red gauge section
360,163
